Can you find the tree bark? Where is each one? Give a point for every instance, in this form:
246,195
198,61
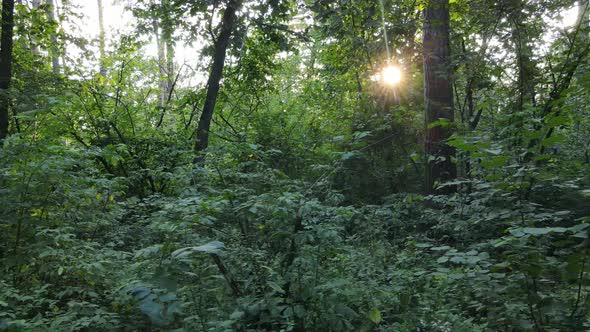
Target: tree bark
167,33
438,96
5,63
169,63
227,25
101,39
54,46
162,77
34,47
525,65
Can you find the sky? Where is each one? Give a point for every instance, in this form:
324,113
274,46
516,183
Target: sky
115,16
117,19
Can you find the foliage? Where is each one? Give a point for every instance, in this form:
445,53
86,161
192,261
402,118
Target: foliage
308,214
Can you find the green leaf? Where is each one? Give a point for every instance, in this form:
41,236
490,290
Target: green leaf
440,248
537,230
348,155
496,161
336,283
553,140
153,310
442,259
213,247
361,134
375,315
276,287
345,311
457,259
557,120
442,122
495,152
237,314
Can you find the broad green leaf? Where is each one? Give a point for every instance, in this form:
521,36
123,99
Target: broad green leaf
375,315
442,259
213,247
345,311
276,287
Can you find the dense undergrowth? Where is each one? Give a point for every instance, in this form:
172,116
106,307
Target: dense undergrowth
241,246
307,212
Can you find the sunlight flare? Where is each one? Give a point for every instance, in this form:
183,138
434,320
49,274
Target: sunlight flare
391,75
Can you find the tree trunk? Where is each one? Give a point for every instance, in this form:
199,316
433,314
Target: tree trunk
161,46
54,46
438,96
101,39
526,66
227,24
167,46
5,63
35,48
169,64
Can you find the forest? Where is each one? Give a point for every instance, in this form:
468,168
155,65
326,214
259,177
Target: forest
295,165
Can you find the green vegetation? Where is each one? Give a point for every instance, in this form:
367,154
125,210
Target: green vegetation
290,189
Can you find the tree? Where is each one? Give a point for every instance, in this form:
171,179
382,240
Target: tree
5,63
161,46
101,38
54,57
526,67
438,95
34,47
220,46
163,25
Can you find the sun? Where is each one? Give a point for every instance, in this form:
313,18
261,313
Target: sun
391,75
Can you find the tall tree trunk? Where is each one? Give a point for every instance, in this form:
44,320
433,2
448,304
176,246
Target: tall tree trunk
101,39
227,24
167,33
166,66
169,63
34,47
438,96
526,66
5,63
162,78
54,46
